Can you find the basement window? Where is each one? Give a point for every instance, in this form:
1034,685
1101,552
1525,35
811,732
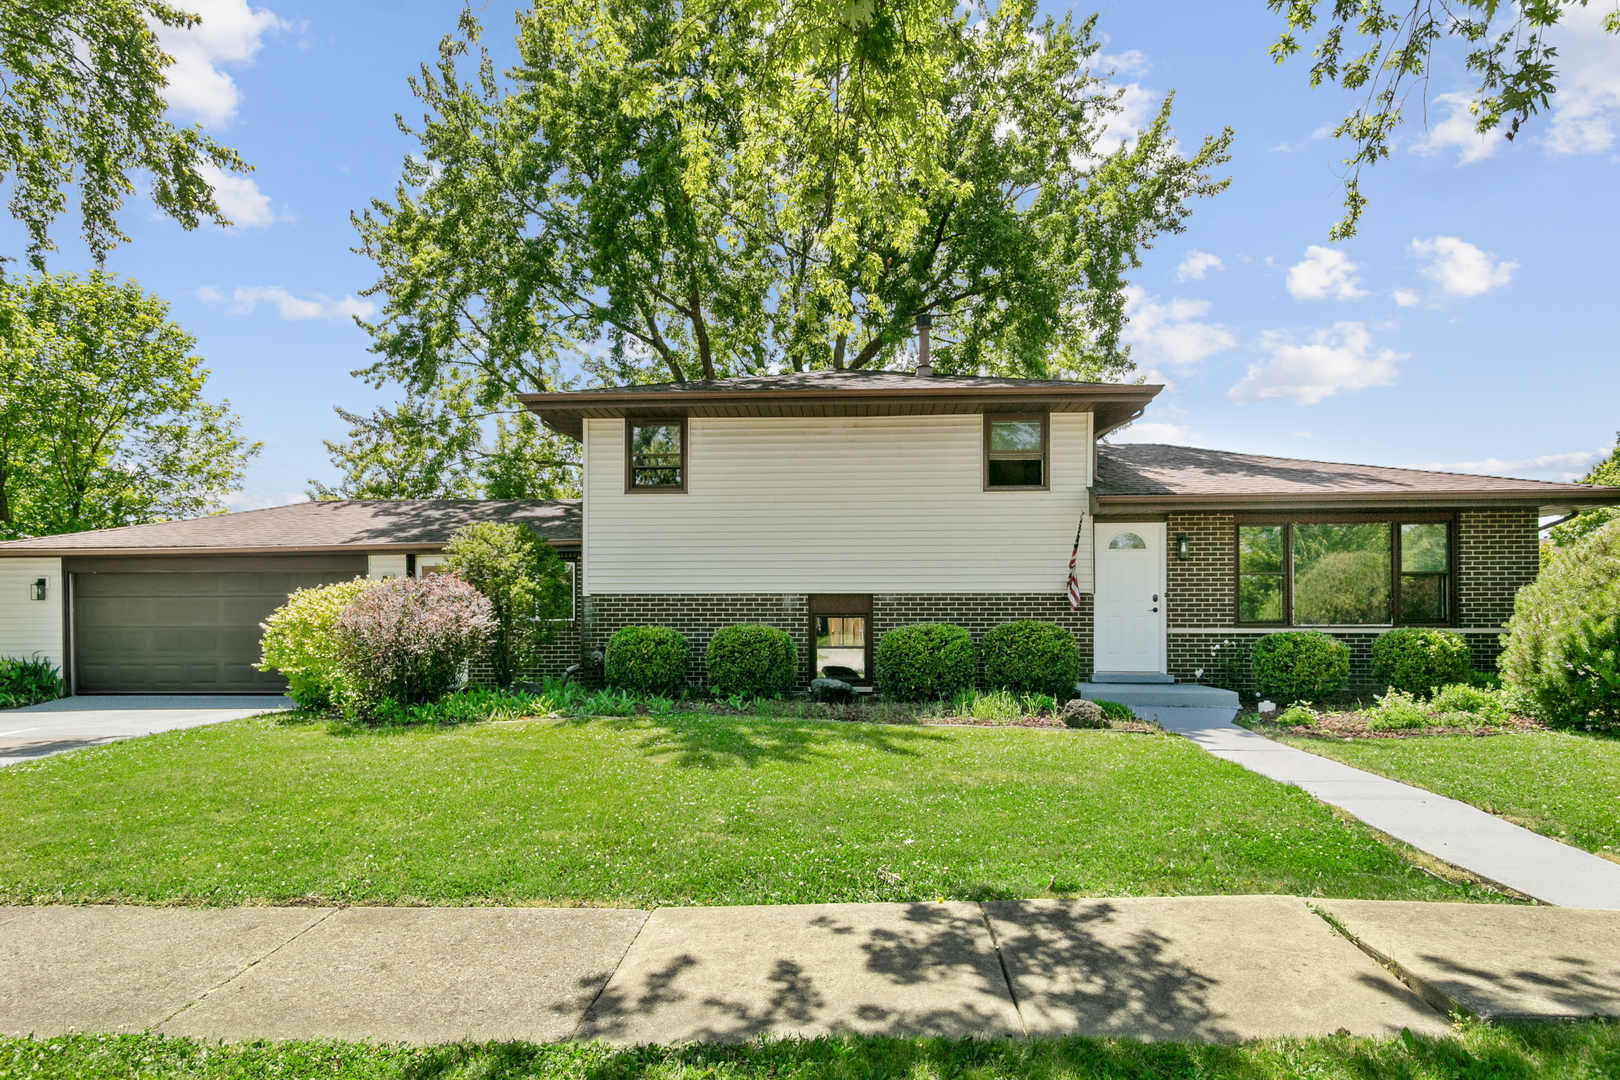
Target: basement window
655,454
1015,451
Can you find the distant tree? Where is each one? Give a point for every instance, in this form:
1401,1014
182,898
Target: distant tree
102,416
1571,532
1516,68
676,189
525,582
81,103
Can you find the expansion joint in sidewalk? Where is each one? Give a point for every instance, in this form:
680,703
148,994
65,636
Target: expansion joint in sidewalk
1423,988
250,965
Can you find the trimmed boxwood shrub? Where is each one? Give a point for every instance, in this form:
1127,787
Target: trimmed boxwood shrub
1300,665
924,662
1031,657
646,660
1561,654
752,659
1421,659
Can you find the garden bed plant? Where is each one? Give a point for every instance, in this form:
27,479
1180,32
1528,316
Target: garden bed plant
1457,709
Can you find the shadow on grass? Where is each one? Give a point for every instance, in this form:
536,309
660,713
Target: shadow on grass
710,742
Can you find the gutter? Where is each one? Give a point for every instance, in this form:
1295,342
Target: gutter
285,549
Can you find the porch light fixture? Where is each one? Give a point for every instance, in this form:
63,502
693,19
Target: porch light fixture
1183,548
36,591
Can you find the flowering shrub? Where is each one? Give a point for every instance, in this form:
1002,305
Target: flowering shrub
404,640
298,642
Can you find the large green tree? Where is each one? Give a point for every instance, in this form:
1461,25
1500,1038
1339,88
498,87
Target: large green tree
1571,532
81,104
102,416
1382,48
674,189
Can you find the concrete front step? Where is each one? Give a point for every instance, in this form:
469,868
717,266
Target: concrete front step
1131,677
1140,696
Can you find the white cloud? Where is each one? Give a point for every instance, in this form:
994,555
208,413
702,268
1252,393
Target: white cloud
239,198
1324,273
1565,467
290,307
1457,130
252,500
1158,432
230,33
1586,109
1460,268
1169,333
1340,358
1197,263
1129,62
1406,297
1135,109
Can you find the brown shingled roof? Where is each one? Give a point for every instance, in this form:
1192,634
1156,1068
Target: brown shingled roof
1142,475
316,526
843,393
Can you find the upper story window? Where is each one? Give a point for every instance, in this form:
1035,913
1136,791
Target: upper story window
1344,573
655,454
1015,451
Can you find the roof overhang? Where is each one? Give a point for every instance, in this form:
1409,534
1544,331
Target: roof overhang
1113,405
1348,502
321,549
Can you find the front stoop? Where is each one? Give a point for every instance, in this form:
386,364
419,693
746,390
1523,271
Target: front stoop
1141,696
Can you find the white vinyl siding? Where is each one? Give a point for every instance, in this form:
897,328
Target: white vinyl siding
30,627
836,504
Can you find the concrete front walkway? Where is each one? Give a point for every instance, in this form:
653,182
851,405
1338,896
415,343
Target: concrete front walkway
1460,834
1198,968
70,723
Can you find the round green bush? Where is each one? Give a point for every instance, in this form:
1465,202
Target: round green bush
924,662
646,660
1561,654
1421,659
1030,657
752,659
1300,665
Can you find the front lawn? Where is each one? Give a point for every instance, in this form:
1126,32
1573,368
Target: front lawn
1571,1051
1560,784
648,811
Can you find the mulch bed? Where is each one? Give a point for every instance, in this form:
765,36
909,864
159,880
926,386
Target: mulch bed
1351,725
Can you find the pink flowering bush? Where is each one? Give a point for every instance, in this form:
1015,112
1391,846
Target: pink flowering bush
406,639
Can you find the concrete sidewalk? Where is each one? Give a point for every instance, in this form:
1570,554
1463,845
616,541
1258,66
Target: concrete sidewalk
1202,968
1461,834
36,731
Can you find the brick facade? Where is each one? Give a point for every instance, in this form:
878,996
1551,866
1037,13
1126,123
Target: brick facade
1497,555
1203,589
698,616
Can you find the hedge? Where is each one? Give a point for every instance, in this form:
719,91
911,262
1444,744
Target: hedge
1300,665
1031,657
752,659
924,662
1420,659
646,660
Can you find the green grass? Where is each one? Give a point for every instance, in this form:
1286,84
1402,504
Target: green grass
656,811
1560,784
1575,1051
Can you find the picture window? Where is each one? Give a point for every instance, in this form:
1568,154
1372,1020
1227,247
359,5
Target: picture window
1344,573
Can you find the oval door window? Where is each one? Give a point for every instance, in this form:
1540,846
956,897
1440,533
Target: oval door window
1126,541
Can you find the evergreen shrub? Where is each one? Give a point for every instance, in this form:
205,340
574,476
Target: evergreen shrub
1300,665
924,662
752,659
1561,654
1031,657
1421,659
646,660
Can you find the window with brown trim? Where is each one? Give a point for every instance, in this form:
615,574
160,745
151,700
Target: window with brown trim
1015,451
655,454
1355,570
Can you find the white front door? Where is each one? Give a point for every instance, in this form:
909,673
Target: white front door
1130,565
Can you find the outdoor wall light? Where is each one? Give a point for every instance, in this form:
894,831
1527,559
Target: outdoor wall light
1183,548
36,591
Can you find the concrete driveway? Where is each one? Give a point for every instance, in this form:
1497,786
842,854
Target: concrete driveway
69,723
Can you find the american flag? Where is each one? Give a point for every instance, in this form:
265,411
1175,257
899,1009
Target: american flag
1074,581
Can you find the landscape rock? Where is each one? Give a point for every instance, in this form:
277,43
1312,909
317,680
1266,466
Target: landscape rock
832,692
1081,713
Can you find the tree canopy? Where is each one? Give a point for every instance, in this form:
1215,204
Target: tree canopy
677,189
1391,48
102,416
1571,532
81,103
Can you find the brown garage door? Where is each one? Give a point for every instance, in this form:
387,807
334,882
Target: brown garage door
183,631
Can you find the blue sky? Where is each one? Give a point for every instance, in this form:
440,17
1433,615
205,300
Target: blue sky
1472,325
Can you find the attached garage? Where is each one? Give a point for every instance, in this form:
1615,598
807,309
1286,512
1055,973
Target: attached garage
167,626
174,607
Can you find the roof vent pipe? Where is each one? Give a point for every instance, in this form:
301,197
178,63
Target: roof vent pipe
924,321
